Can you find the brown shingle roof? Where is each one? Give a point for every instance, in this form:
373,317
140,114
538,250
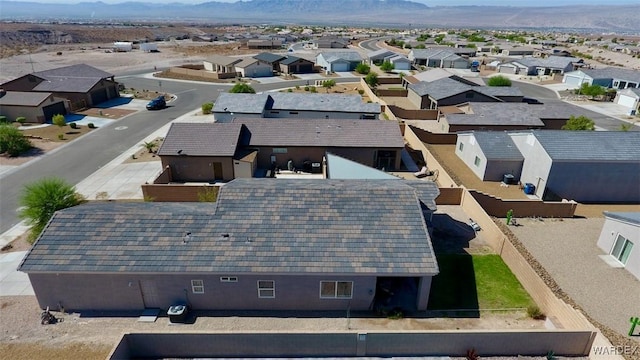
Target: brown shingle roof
201,139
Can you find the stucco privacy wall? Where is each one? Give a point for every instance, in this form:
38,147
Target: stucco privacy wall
381,344
561,314
174,192
444,180
374,98
498,207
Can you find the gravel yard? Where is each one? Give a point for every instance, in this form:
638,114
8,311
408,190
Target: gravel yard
567,249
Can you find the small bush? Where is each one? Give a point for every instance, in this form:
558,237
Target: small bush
361,92
73,125
313,89
289,90
297,87
21,119
207,107
3,120
91,126
534,312
499,81
306,88
13,141
59,120
60,136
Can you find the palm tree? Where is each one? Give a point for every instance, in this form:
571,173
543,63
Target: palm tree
149,145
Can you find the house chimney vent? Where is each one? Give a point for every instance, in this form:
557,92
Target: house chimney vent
186,237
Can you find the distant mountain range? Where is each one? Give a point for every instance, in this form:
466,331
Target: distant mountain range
399,13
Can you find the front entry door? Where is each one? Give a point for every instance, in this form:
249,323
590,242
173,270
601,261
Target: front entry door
149,292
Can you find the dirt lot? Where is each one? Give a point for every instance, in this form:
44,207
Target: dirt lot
78,337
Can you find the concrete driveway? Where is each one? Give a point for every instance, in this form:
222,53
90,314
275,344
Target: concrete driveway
13,282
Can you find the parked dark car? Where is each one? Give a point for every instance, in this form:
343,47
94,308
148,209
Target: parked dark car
157,103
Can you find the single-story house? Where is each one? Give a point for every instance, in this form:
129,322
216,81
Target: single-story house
82,85
494,116
296,65
337,61
272,59
207,152
489,154
620,238
446,92
517,51
438,58
253,68
399,62
221,64
585,166
437,74
266,244
630,98
610,77
293,105
377,57
36,107
331,43
540,66
264,44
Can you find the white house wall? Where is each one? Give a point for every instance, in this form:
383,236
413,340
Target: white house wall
470,150
610,231
537,163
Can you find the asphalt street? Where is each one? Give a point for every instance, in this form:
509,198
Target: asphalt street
79,159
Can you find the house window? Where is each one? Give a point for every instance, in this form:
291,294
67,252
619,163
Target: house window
266,288
293,113
279,150
476,162
622,249
336,289
461,146
197,286
228,279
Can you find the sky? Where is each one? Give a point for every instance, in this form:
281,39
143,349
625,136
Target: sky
427,2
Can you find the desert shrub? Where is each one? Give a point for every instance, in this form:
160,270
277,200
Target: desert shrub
4,120
313,89
306,88
59,120
13,141
21,119
499,81
207,107
534,312
60,136
91,126
73,125
363,68
361,92
289,90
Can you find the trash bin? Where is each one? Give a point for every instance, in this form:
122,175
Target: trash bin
177,313
508,179
529,189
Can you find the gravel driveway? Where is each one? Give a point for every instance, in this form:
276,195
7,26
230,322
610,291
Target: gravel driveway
567,249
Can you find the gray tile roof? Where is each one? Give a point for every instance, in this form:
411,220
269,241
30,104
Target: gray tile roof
223,60
322,133
269,57
246,62
272,226
291,59
590,145
73,78
497,145
258,103
201,139
439,89
632,217
380,54
240,103
499,90
23,98
552,62
516,114
78,70
341,55
613,73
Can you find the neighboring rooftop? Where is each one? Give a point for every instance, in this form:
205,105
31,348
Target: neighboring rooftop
613,73
197,139
320,133
222,60
341,55
631,217
497,145
23,98
273,226
590,145
269,57
554,62
498,114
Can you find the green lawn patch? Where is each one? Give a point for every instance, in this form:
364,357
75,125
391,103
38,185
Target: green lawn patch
476,282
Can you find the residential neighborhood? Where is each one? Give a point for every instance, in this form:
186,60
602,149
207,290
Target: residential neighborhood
321,191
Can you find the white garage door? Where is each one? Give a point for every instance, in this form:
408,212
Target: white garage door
507,69
627,101
340,67
574,81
